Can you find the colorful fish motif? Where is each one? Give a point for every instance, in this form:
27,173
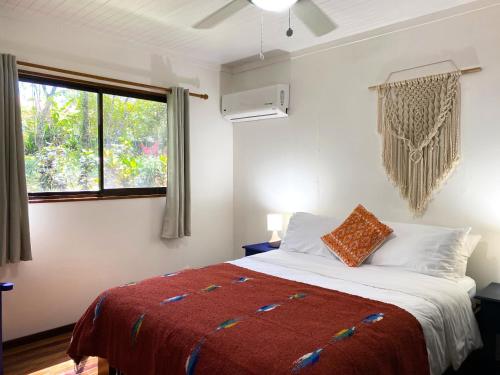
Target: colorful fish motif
373,318
297,296
174,299
242,279
343,334
268,307
228,324
211,288
171,274
98,307
128,284
192,360
136,328
306,360
80,367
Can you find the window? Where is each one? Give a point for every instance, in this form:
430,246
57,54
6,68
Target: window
135,134
88,141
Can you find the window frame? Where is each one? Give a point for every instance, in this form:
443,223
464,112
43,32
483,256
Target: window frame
100,90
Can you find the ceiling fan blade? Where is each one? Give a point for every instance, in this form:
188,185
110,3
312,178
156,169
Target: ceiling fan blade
220,15
313,17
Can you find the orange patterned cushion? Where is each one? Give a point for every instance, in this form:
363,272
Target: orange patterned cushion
357,237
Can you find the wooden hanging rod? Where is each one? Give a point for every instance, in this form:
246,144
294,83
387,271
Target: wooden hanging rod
96,77
463,71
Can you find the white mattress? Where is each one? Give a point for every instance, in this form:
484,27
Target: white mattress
442,307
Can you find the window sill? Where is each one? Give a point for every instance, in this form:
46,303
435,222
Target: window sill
89,197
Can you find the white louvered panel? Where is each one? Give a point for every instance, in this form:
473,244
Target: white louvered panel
12,4
70,10
56,9
107,20
116,12
92,10
166,23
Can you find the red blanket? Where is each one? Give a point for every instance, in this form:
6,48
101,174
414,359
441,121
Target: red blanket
224,319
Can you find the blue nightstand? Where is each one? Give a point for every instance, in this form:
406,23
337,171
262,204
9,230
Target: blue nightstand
4,287
257,248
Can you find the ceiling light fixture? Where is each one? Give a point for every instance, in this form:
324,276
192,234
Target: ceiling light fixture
273,5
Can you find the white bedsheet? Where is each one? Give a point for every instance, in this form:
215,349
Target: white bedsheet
468,284
442,307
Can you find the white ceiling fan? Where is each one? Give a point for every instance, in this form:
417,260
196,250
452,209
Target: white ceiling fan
306,10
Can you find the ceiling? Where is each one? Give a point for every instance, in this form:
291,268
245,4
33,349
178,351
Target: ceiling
166,23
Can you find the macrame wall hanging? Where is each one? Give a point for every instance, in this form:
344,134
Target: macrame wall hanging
419,121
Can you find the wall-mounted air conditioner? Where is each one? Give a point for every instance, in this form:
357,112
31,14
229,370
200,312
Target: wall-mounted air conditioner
258,104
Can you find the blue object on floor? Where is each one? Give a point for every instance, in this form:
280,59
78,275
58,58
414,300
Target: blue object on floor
4,287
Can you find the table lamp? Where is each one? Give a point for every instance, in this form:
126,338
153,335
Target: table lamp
275,224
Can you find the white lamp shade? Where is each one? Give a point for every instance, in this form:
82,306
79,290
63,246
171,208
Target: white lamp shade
274,5
274,222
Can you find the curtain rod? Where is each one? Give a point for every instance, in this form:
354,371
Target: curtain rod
463,71
100,78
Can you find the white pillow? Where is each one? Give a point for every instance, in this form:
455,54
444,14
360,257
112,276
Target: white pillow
470,245
425,249
304,234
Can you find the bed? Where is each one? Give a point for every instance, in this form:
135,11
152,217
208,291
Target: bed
441,306
282,312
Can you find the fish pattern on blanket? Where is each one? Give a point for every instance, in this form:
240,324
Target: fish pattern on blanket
193,321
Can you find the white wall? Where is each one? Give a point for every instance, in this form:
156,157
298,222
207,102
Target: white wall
79,249
325,158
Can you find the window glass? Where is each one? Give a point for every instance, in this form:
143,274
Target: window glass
60,128
135,135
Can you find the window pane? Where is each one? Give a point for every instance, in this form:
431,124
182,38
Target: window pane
60,138
135,136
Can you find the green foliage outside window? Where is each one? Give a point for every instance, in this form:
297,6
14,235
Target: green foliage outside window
61,141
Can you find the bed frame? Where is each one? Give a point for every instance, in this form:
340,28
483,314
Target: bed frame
471,364
103,368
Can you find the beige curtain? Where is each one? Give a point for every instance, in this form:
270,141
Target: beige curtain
177,219
14,224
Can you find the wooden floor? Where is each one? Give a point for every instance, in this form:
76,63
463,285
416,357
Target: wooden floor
44,357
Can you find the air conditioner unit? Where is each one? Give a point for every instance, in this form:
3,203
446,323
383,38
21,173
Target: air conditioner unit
258,104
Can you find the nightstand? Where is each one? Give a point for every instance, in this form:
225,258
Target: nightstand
489,322
4,287
257,248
